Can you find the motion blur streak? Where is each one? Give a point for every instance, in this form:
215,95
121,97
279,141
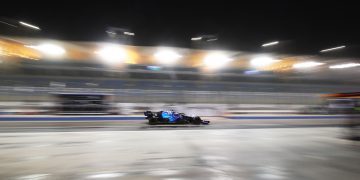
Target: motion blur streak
171,90
49,49
332,49
216,60
342,66
29,25
270,44
167,56
263,61
184,154
308,64
112,54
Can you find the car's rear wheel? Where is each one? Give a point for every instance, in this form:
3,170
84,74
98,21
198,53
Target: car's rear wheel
197,120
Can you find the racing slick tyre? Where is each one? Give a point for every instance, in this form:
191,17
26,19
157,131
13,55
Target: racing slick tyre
153,121
197,120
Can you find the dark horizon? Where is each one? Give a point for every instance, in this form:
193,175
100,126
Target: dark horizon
301,27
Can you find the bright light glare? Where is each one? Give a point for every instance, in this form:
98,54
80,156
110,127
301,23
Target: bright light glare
270,44
167,56
214,39
216,60
112,54
308,64
196,38
29,25
342,66
263,61
332,49
129,33
110,32
105,176
50,49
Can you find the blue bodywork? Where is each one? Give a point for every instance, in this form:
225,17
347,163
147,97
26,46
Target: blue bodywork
171,115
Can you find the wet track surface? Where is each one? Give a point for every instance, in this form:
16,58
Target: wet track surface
132,149
286,153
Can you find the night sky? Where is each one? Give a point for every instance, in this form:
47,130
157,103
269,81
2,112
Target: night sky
300,26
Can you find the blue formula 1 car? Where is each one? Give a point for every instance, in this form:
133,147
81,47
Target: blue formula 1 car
172,117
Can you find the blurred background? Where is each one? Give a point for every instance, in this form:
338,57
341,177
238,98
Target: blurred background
136,58
35,71
278,81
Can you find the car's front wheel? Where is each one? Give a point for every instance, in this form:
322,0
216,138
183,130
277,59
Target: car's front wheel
153,121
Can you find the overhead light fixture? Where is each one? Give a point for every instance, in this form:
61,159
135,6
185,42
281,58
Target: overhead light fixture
111,32
213,39
196,38
332,49
346,65
129,33
29,25
7,23
307,64
270,43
